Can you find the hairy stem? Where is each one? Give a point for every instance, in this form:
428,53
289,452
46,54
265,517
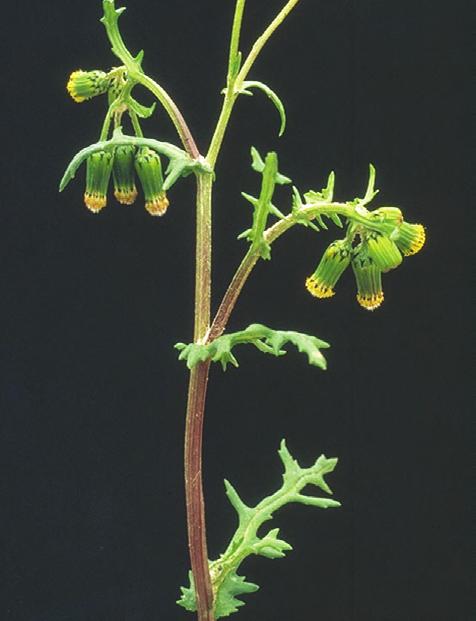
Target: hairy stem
235,36
230,94
196,525
199,375
173,111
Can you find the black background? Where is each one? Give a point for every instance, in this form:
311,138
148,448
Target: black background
92,394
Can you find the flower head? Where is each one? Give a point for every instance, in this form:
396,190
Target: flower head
369,280
383,251
334,262
98,173
83,85
123,173
149,170
410,238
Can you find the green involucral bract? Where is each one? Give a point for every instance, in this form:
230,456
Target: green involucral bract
149,170
125,189
265,339
227,584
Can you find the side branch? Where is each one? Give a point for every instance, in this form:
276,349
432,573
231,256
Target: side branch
251,258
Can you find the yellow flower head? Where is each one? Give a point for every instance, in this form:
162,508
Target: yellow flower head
98,173
334,262
369,281
383,251
149,170
411,238
123,173
83,85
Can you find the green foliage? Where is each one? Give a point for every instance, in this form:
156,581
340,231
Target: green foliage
227,584
263,205
272,95
110,20
265,339
180,164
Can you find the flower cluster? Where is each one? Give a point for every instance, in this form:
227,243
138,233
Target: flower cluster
122,164
371,252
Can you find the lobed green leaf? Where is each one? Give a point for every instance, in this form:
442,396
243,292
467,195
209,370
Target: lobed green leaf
265,339
227,584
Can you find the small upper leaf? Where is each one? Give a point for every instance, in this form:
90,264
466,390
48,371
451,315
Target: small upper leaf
274,98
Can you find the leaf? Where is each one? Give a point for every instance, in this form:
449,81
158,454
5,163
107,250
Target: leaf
271,547
265,339
370,192
188,599
193,353
309,345
326,195
274,98
226,599
257,164
262,205
227,584
144,112
297,212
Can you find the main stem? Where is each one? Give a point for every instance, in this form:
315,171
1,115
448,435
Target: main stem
196,525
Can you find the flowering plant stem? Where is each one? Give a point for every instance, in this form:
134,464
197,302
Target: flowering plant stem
197,390
374,243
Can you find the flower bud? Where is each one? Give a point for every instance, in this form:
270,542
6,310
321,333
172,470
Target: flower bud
383,251
149,171
83,85
369,281
98,173
334,262
123,173
411,238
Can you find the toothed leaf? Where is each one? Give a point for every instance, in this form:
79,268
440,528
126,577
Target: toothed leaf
265,339
263,205
227,584
227,601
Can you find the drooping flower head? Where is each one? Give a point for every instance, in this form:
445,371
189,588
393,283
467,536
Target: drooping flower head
369,280
383,251
83,85
123,172
334,262
410,238
98,174
149,170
